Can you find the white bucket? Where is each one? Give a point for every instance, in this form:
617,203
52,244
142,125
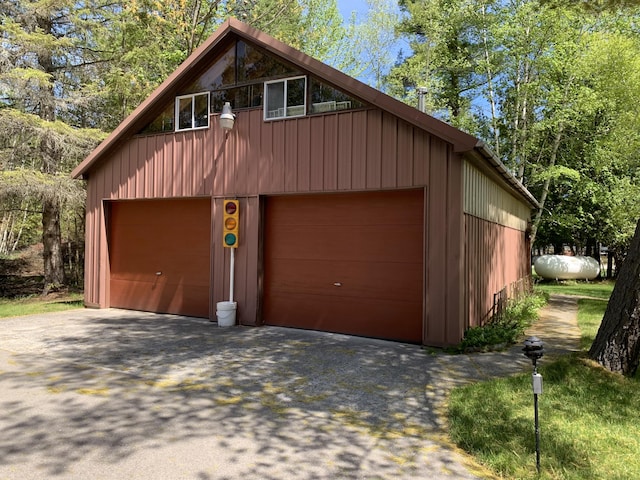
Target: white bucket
226,313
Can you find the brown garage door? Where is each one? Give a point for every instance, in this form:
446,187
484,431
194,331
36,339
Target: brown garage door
348,263
159,255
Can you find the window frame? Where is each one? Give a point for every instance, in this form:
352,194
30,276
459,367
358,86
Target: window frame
285,108
192,96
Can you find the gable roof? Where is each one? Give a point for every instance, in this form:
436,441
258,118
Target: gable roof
233,29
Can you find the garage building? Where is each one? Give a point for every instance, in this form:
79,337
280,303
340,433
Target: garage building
358,214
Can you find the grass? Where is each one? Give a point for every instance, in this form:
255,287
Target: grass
508,328
37,304
601,289
590,313
588,417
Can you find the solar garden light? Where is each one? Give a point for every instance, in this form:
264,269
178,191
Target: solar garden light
533,350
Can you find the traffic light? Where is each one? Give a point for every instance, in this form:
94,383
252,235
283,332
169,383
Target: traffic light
230,237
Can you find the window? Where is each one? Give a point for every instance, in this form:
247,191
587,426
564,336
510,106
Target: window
245,75
240,97
192,111
325,98
285,98
162,123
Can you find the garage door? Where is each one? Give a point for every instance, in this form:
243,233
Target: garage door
159,255
348,263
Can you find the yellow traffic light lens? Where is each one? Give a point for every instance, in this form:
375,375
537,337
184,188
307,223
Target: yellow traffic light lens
230,223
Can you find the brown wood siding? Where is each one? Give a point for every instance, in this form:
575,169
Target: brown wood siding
348,263
361,150
444,245
334,152
495,257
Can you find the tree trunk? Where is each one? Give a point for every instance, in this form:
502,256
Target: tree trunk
547,183
617,344
490,89
52,242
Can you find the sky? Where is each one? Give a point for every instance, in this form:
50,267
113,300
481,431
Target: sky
348,6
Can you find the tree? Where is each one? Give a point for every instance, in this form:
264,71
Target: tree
596,179
445,48
374,39
41,50
552,88
617,344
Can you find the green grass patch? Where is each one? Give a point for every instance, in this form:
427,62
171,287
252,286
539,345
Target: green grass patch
588,423
601,289
590,314
506,329
588,417
36,304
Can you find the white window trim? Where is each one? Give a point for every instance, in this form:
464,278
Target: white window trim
283,111
193,120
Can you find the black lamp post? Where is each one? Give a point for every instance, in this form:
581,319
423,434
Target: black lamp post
533,350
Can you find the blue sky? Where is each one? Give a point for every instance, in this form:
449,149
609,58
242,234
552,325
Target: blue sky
348,6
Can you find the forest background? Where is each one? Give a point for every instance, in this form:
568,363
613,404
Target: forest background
552,87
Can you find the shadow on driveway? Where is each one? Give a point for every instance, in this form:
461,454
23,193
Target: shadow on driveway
119,394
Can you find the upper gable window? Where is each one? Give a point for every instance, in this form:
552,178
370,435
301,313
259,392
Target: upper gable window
240,64
192,111
285,98
254,64
244,75
162,123
325,98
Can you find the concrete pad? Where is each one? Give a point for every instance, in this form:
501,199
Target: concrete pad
112,394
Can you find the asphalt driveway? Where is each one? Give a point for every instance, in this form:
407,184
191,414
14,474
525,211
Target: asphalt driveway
113,394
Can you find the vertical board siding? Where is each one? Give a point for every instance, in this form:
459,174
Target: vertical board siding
436,250
359,150
405,151
278,158
495,257
316,154
330,159
496,247
389,160
304,159
343,151
455,324
421,157
291,157
484,198
374,151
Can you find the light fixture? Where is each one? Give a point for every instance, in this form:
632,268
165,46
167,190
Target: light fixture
227,118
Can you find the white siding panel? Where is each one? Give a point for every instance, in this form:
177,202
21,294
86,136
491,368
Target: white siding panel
485,199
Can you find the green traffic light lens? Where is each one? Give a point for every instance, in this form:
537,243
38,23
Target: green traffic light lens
230,239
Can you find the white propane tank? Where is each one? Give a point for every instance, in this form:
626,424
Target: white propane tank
565,267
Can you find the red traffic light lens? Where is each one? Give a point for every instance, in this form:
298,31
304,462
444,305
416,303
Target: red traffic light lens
230,208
